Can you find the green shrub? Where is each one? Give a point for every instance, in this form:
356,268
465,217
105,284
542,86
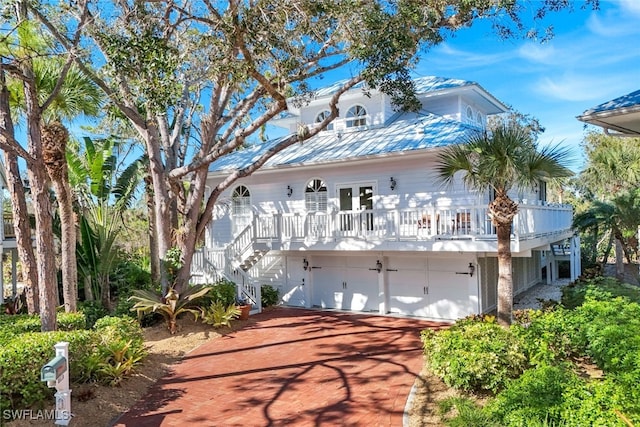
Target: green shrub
535,397
93,310
474,355
219,315
598,288
111,327
547,337
124,309
269,295
224,292
22,357
13,325
610,333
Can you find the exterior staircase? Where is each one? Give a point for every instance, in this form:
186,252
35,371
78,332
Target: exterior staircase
234,263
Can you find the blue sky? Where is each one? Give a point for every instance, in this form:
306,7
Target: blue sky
594,57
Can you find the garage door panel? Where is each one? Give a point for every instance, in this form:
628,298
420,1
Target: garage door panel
449,295
362,290
328,291
293,292
407,292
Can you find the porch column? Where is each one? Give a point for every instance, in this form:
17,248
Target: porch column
576,259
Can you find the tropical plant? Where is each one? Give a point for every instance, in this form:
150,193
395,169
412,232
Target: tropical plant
269,295
104,192
171,305
217,314
499,160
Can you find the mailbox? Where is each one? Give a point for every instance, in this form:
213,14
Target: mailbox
54,369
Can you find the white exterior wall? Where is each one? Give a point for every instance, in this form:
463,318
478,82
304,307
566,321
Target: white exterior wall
416,187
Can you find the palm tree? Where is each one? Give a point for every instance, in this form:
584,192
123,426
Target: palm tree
78,96
500,160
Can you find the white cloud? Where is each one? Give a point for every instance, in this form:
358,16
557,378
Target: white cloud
576,88
534,52
456,58
630,6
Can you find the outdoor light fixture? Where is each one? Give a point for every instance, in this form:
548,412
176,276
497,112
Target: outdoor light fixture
392,184
378,266
305,264
289,191
472,269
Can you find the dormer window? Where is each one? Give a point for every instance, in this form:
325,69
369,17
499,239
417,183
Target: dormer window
479,119
356,116
323,115
469,114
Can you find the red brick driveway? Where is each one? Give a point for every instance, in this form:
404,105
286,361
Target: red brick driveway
292,367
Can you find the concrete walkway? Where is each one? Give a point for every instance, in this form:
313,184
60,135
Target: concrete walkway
292,367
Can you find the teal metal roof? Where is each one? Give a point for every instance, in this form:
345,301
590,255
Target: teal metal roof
629,100
408,132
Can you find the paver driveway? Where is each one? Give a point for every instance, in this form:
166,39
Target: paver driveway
292,367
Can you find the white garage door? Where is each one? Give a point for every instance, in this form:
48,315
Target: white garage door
431,288
345,283
293,293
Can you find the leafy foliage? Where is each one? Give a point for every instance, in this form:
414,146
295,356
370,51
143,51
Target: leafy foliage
217,314
171,305
269,295
474,355
558,344
599,289
224,292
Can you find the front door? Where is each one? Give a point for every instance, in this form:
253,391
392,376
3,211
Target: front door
294,293
356,208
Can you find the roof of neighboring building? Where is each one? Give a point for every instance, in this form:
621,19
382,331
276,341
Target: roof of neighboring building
408,132
621,114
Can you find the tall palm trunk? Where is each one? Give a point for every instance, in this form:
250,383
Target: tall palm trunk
503,210
54,139
505,280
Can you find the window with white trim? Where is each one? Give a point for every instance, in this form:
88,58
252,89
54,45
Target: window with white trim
356,116
323,115
315,196
241,200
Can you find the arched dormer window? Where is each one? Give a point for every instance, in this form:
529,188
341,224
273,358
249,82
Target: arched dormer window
315,196
356,116
469,114
479,119
323,115
241,201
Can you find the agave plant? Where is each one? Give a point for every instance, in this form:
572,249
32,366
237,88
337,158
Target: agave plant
171,305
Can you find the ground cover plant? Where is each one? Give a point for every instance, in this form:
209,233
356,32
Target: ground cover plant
580,363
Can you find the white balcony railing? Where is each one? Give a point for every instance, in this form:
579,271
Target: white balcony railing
409,224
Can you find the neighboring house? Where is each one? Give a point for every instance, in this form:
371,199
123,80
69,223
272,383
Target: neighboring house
620,115
354,218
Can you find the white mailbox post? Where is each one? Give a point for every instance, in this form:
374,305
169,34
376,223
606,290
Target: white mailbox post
56,374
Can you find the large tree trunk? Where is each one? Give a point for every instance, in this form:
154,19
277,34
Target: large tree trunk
153,241
505,279
19,210
22,229
68,243
47,280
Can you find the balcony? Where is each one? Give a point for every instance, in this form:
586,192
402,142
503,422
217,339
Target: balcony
391,228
